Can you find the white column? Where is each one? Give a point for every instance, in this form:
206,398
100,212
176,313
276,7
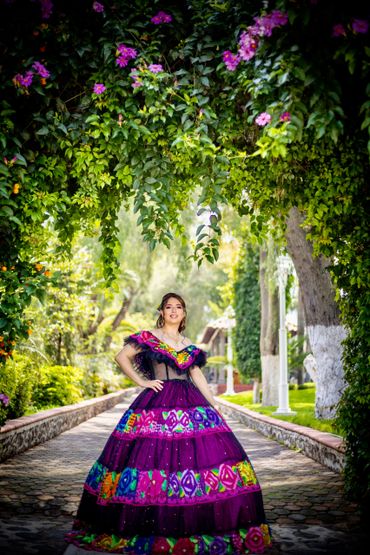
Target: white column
229,367
229,324
284,264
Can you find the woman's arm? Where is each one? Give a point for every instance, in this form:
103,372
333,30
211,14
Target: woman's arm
200,381
124,360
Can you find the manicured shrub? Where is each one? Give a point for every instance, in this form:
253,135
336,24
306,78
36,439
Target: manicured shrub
17,377
58,385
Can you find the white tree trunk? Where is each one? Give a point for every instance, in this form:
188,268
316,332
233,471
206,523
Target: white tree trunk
270,380
269,339
256,391
322,315
327,349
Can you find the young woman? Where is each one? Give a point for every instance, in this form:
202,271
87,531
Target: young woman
172,477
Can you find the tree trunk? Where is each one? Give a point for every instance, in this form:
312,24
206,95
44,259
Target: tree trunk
94,322
121,314
269,338
256,392
300,336
322,316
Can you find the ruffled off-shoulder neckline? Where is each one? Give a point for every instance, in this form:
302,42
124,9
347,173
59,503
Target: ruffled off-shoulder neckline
168,345
153,348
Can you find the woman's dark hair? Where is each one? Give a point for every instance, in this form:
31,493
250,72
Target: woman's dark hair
160,321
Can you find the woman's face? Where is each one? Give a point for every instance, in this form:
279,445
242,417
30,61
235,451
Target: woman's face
173,311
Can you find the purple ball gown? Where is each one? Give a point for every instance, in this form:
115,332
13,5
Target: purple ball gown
172,477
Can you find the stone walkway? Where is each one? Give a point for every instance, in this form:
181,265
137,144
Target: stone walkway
40,490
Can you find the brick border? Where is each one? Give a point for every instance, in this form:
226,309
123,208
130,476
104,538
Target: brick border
20,434
323,447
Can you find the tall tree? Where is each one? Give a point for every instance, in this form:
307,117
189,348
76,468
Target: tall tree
323,325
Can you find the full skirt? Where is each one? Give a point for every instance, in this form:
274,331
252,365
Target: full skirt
172,478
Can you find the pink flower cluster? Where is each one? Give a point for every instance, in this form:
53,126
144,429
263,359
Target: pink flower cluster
41,70
231,60
134,74
46,8
358,26
4,399
285,116
99,88
98,7
125,54
264,118
155,68
161,17
249,39
23,80
26,79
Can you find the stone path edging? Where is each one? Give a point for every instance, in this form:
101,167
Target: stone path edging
20,434
323,447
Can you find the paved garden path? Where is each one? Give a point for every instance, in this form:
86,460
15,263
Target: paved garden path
40,490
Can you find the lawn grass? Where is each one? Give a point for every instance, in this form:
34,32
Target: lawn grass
300,400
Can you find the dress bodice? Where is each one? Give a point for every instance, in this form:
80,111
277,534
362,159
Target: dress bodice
158,360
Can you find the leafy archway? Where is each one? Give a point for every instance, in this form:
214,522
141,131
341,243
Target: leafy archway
146,100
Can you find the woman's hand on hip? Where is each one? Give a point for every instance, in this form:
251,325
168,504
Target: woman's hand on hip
156,385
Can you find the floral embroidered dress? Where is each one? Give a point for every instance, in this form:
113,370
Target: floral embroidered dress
172,477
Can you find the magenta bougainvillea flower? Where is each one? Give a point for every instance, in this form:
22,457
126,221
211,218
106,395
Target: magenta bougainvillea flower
360,26
99,88
98,7
4,399
249,39
161,17
263,119
23,80
41,70
231,60
338,30
125,54
155,68
285,116
134,74
46,8
247,46
278,18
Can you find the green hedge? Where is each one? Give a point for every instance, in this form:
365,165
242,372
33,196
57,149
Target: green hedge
32,386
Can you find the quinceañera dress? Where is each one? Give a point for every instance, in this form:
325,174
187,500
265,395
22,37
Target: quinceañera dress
172,477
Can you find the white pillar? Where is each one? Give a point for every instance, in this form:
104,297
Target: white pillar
229,323
229,367
283,408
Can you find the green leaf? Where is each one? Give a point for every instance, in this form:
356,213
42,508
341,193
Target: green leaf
43,131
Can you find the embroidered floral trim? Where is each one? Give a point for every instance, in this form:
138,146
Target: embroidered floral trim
159,422
154,348
161,487
252,540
